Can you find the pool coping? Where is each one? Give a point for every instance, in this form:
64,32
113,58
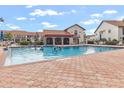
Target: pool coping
44,61
3,54
21,46
112,46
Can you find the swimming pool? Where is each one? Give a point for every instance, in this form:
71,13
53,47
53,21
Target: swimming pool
31,54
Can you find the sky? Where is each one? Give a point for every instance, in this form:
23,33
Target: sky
35,18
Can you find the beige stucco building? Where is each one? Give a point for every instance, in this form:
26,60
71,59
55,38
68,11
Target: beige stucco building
74,34
90,37
19,35
110,29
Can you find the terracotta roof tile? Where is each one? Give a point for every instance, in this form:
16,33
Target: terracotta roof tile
115,22
56,33
46,32
20,32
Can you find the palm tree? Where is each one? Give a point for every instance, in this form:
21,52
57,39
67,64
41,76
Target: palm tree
2,20
1,37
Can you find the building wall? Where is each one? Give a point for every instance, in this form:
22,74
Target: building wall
121,35
90,38
70,40
106,27
24,37
80,32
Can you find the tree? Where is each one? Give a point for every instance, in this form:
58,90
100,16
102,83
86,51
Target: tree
123,20
8,36
2,20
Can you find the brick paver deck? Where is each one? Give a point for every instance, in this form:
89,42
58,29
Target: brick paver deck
93,70
1,56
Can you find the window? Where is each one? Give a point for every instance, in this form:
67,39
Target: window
120,38
123,30
109,39
123,38
109,31
100,36
75,32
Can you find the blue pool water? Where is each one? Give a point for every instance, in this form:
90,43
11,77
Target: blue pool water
27,55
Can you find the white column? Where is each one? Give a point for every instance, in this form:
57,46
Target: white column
26,38
45,41
62,40
71,41
53,40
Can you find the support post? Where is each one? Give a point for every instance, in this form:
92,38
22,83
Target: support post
45,41
62,41
53,40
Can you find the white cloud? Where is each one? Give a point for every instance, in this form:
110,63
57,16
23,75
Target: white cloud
49,25
31,19
49,12
21,18
40,30
90,21
110,12
73,11
61,13
69,12
24,18
97,15
12,26
92,30
39,12
29,6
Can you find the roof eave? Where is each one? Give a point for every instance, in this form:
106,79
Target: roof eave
74,25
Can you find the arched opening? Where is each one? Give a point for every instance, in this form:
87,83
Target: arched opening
49,41
58,41
66,41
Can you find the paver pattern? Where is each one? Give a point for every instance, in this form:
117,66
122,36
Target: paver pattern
1,56
94,70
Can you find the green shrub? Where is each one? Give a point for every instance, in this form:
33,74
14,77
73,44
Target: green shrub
113,42
38,42
90,42
103,40
24,42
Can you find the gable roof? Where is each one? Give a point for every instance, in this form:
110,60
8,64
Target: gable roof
75,25
112,22
56,33
116,23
